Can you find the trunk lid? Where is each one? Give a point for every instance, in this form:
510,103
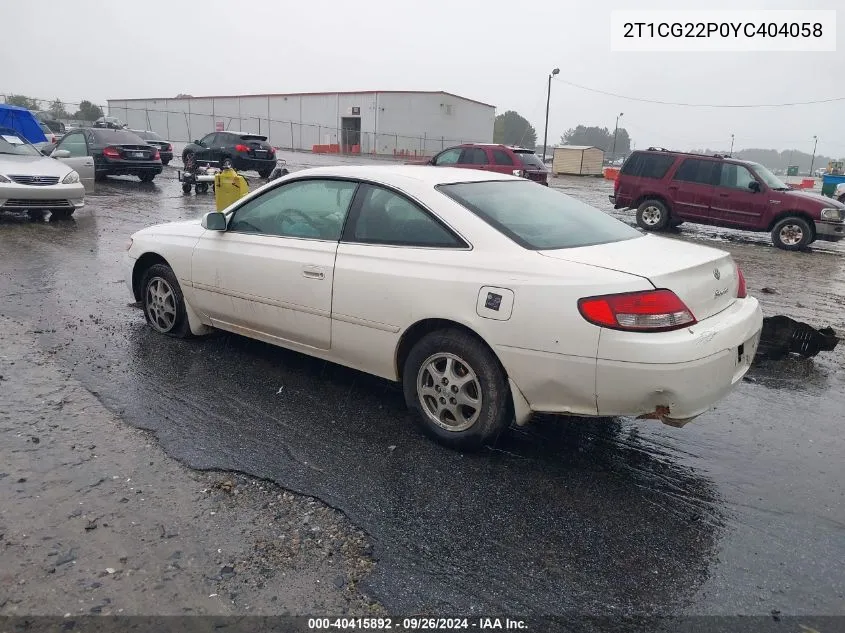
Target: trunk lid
135,152
704,278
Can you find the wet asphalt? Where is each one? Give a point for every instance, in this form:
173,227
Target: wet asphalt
740,512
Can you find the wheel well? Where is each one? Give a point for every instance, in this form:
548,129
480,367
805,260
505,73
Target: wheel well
144,262
798,214
652,196
419,329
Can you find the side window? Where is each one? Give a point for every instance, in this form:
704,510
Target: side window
208,140
449,157
473,156
697,171
645,165
386,217
735,176
314,209
75,144
501,158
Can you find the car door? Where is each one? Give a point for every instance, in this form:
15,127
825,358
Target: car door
502,162
271,272
740,199
391,261
206,153
691,189
473,158
74,150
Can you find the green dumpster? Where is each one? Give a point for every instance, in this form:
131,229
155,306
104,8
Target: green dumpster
792,170
829,182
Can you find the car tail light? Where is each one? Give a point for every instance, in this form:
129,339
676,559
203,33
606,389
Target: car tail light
169,148
271,151
156,155
741,290
241,148
647,311
111,152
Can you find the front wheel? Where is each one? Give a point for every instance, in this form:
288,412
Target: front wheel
147,177
164,305
457,389
792,233
652,215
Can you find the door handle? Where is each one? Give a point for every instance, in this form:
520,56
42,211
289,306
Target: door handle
313,273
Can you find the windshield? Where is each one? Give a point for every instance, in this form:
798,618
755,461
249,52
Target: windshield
530,159
538,217
768,177
14,144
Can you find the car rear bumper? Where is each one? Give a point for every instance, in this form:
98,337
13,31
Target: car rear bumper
677,375
258,164
14,197
129,167
830,231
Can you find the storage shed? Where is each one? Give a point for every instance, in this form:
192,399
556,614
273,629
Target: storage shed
577,160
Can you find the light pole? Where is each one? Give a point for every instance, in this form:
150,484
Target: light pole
548,99
732,146
815,144
615,130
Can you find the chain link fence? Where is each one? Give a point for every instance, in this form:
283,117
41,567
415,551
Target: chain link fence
185,126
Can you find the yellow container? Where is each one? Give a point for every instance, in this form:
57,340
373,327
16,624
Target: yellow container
229,186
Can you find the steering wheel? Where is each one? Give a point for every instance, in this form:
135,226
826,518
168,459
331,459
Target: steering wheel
285,214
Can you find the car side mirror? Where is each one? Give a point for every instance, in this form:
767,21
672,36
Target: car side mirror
214,221
60,153
754,186
196,142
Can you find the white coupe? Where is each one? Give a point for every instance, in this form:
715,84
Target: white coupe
486,296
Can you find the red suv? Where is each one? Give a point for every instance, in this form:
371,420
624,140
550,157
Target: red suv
505,159
668,188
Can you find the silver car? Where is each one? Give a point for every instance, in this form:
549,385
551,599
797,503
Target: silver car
32,183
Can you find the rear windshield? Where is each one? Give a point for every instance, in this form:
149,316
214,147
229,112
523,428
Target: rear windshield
253,137
538,217
647,165
530,159
105,135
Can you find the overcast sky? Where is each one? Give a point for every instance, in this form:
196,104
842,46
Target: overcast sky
495,51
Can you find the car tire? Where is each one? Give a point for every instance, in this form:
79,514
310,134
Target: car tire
792,233
652,215
227,163
163,302
61,214
165,162
265,173
100,176
146,177
446,367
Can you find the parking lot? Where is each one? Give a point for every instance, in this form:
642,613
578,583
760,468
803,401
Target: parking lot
741,511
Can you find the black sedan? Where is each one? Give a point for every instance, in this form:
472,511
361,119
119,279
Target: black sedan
233,149
165,149
115,152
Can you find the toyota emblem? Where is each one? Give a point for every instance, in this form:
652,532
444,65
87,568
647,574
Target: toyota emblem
716,273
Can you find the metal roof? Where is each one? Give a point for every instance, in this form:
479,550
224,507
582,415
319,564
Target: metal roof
313,94
576,147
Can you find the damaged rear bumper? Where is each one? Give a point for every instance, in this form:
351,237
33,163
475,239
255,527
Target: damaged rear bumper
677,390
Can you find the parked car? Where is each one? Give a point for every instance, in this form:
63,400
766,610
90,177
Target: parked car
52,138
669,188
503,159
56,126
240,150
485,296
165,148
114,153
111,122
33,183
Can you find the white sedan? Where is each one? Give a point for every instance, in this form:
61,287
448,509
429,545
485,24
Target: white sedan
487,297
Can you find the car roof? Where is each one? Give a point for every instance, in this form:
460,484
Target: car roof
397,174
514,148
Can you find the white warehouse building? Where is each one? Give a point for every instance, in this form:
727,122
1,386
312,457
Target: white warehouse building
410,123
